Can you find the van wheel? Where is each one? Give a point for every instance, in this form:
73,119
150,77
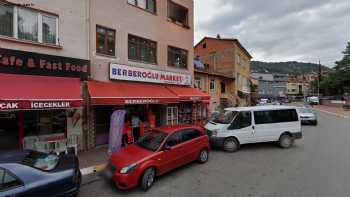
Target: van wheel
231,145
147,179
203,156
286,141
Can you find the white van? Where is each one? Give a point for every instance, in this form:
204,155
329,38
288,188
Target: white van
244,125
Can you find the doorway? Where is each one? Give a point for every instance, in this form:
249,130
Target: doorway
9,132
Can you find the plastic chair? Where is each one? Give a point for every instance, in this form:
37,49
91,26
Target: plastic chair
30,142
72,142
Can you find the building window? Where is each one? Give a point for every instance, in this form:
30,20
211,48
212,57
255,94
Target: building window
223,87
204,45
27,24
105,41
149,5
6,20
198,83
238,59
49,29
177,13
142,50
212,85
177,57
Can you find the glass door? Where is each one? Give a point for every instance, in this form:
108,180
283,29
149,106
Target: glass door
9,132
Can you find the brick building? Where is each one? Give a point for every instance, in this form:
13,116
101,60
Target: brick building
224,58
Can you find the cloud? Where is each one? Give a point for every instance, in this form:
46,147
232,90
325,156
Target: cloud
279,30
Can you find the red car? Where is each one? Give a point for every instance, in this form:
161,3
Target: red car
159,151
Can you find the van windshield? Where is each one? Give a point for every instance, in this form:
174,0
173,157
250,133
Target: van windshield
225,118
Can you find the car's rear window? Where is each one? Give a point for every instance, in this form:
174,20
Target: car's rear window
42,161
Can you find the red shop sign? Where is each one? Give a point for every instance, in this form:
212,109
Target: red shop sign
36,105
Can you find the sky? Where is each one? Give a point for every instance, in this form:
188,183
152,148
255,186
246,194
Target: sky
279,30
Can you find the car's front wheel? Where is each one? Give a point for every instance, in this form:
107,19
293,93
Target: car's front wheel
203,156
286,141
231,145
148,179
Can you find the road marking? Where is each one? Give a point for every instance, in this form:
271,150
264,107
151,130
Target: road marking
93,169
332,113
87,171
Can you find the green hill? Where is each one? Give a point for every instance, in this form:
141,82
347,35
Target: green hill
285,67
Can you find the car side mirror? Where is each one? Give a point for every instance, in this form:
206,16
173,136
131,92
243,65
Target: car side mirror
166,147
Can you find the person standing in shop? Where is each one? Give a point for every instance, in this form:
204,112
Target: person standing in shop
135,124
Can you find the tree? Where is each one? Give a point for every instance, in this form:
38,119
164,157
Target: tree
338,81
342,70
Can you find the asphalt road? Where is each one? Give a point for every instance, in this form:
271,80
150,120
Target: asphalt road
317,166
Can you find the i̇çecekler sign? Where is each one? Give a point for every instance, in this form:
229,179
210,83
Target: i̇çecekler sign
28,105
128,73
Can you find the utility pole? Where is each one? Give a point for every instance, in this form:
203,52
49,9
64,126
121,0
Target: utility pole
319,78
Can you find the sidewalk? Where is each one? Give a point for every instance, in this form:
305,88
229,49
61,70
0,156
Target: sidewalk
337,111
93,160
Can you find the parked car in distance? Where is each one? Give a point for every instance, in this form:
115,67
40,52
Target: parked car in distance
245,125
263,102
159,151
32,174
313,100
307,116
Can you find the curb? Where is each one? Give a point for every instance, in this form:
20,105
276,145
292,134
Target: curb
332,113
93,169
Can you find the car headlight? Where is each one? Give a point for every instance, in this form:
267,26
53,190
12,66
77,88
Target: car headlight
214,132
128,169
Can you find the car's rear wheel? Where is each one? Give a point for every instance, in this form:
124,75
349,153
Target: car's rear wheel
203,156
148,179
286,141
231,145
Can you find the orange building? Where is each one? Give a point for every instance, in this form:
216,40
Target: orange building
224,60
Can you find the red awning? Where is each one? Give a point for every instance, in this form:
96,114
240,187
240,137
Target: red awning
26,92
189,94
129,93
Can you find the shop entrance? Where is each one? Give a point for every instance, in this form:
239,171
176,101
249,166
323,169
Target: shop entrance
8,131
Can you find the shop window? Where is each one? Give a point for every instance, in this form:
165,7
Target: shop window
172,116
105,41
196,113
6,20
223,87
212,85
148,5
177,57
30,25
49,122
142,50
177,13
